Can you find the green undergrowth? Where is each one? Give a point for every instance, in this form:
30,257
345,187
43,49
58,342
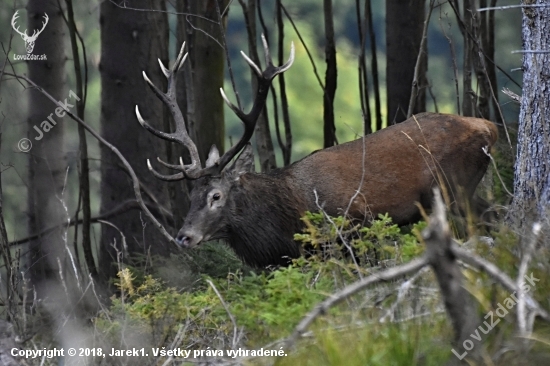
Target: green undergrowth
381,325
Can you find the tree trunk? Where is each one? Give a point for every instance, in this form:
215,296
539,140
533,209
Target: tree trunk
404,24
330,77
468,95
198,91
205,116
47,157
264,144
131,42
9,282
531,200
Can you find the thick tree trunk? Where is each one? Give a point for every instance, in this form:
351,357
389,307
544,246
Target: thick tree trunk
531,200
47,157
404,24
205,116
131,42
198,90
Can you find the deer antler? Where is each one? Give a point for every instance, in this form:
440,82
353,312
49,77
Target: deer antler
24,34
181,136
13,25
35,33
264,82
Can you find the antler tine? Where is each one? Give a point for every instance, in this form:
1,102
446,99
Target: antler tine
249,120
166,178
252,64
15,26
180,167
180,135
268,60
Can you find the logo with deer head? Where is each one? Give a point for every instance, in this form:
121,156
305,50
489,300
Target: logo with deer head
29,40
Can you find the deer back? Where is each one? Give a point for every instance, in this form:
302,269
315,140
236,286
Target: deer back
392,169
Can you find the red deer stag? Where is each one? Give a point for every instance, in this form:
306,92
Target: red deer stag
386,172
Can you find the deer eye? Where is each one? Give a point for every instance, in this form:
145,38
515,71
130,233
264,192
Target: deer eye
216,196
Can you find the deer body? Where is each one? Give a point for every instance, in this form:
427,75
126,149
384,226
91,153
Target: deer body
386,172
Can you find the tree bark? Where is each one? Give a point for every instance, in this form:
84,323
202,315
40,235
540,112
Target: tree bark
47,157
330,78
531,200
264,144
404,24
131,42
198,90
205,115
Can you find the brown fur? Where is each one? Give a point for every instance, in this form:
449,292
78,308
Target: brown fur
387,172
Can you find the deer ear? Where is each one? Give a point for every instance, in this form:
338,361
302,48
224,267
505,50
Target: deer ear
245,162
213,156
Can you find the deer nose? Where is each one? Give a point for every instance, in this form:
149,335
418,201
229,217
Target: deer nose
183,240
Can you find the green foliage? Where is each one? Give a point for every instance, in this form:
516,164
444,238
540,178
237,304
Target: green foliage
381,240
267,305
411,343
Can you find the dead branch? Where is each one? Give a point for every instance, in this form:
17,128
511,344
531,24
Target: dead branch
458,302
499,276
323,307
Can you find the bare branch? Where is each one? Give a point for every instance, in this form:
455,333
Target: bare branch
382,276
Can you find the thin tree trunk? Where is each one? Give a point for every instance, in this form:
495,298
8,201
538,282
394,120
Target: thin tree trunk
362,71
287,146
264,144
330,77
376,86
468,100
84,177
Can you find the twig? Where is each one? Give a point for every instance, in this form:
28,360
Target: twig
417,66
124,246
516,98
339,231
499,276
505,7
486,151
305,47
122,208
382,276
403,290
176,342
235,328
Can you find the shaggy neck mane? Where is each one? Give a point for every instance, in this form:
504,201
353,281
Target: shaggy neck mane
265,216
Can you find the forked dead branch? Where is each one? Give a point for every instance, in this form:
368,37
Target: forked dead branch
389,171
441,254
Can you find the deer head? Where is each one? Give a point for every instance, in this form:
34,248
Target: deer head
29,40
213,174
